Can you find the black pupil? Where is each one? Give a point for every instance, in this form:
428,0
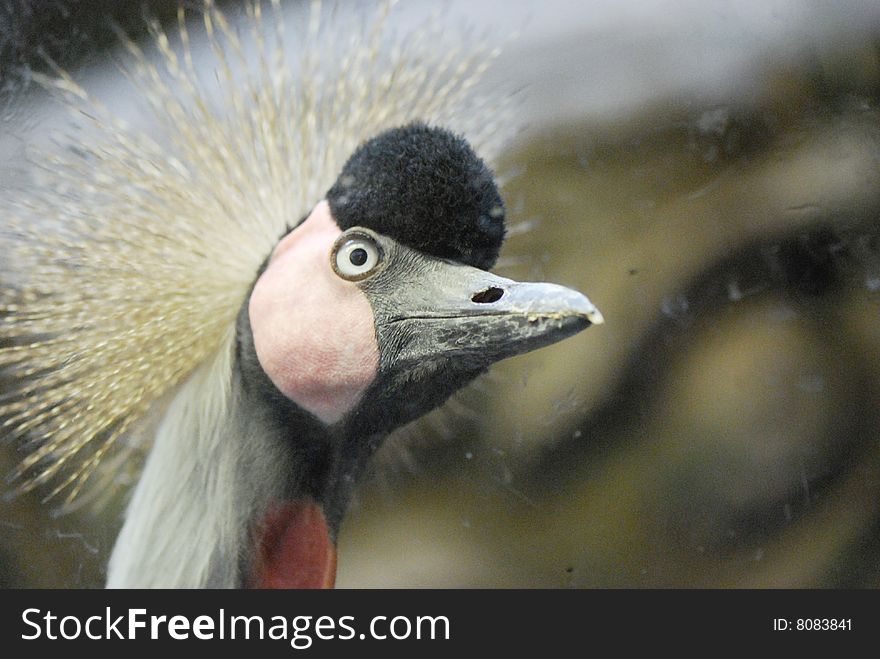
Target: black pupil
358,256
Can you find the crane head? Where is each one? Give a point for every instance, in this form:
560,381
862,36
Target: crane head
372,311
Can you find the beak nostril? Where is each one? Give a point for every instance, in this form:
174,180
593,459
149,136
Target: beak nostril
488,296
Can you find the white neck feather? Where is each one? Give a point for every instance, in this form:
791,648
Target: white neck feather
189,523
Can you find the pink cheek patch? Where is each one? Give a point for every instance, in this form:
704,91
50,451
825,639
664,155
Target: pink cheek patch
314,333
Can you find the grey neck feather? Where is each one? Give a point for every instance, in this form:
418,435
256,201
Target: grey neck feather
189,523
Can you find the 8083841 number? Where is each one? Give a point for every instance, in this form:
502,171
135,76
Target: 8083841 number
823,624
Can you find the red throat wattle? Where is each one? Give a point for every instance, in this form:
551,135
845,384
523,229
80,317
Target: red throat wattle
294,549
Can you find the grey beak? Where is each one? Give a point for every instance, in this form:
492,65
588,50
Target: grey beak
537,301
458,312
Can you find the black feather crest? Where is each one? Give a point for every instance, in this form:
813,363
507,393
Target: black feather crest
426,188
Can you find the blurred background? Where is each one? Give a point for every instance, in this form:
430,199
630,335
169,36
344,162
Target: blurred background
710,176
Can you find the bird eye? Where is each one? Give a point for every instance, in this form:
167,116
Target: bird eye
356,257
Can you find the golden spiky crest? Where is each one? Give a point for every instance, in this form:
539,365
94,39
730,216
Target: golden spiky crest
136,250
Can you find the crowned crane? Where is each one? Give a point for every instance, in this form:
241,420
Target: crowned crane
288,373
